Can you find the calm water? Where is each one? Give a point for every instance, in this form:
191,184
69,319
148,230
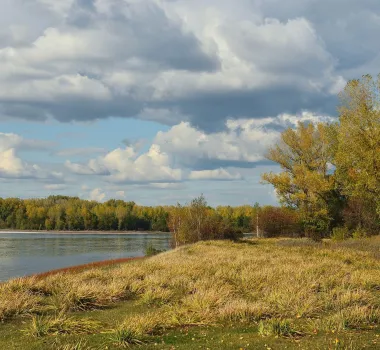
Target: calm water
28,253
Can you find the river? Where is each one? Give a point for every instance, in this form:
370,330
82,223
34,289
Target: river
23,254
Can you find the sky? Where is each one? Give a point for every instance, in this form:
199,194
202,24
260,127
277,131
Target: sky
158,101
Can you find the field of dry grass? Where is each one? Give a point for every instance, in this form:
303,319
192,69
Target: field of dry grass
291,291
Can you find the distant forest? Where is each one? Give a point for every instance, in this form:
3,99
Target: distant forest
75,214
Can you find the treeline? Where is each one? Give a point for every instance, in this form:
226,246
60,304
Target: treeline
75,214
196,221
72,213
331,171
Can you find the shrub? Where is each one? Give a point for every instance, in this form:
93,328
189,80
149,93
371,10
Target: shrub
150,250
279,222
340,234
359,232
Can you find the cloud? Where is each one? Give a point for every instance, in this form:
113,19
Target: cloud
243,143
105,53
185,153
217,174
12,166
204,64
226,77
93,167
127,166
165,186
97,195
120,194
162,115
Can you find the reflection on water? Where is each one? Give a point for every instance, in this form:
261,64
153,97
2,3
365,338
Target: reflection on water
27,253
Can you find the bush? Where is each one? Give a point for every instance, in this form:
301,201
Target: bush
359,232
279,222
150,250
198,222
340,234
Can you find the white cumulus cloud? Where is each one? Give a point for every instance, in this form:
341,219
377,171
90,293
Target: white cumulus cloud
97,195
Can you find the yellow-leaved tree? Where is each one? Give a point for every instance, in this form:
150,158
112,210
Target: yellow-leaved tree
358,148
307,182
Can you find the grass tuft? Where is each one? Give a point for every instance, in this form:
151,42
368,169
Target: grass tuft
61,324
125,338
278,328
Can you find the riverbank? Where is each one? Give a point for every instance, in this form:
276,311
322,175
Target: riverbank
80,268
63,232
257,294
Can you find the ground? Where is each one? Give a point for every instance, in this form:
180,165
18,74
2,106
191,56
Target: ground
257,294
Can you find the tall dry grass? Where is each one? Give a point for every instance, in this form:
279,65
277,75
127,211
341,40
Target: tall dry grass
330,286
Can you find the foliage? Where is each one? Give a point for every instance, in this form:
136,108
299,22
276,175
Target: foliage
361,213
340,233
331,172
306,183
198,222
279,222
359,233
72,213
358,148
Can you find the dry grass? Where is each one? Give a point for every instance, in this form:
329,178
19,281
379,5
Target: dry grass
81,345
329,286
60,324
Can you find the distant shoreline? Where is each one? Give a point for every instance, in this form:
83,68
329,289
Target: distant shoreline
66,232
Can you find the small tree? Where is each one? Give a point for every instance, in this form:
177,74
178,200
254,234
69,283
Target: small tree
197,212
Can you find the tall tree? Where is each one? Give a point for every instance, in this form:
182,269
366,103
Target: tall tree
306,181
358,147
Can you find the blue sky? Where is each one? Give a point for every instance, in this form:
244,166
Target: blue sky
157,101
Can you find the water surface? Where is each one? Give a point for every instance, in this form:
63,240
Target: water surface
23,254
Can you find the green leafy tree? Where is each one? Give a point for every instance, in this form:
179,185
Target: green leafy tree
358,140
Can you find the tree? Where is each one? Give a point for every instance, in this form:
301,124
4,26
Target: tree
358,140
197,214
175,217
306,182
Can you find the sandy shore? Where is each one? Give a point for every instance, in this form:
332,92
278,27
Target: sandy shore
84,232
